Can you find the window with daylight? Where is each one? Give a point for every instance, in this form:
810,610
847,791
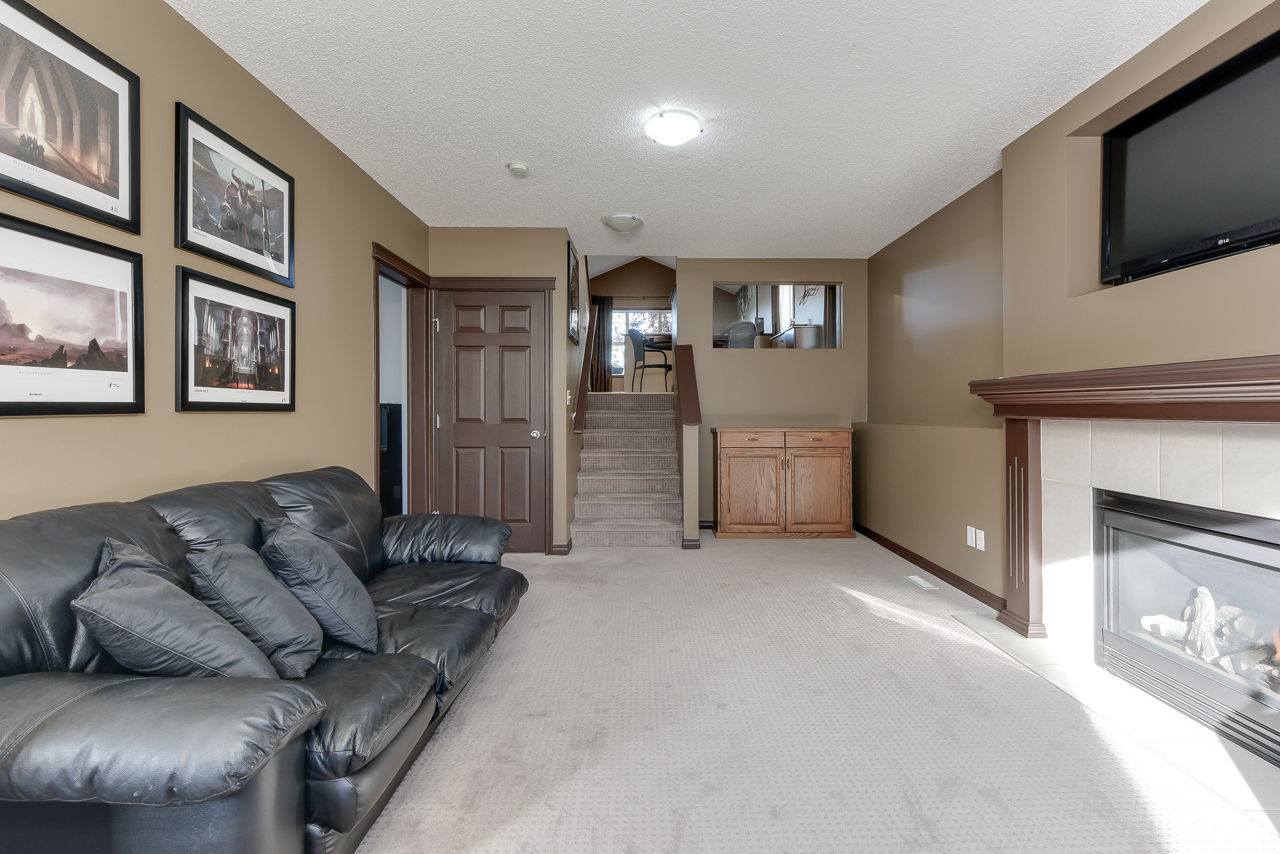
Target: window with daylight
649,321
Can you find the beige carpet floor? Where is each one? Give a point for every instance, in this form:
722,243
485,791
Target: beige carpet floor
777,696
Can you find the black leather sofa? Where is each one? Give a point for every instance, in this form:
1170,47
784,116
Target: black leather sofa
94,758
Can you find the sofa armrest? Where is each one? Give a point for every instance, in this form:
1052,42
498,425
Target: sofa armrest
430,538
141,739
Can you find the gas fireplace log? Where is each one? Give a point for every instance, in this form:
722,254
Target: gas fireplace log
1164,626
1245,661
1200,638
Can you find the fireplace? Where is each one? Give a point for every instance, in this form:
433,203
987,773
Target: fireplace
1188,608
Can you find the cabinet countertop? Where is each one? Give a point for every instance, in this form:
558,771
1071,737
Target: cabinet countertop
784,429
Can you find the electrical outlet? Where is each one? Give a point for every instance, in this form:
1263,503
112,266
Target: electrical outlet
568,397
970,536
981,541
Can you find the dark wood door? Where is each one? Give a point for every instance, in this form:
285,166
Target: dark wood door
819,497
752,490
491,398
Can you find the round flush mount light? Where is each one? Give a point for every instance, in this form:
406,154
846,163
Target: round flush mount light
518,169
672,127
622,223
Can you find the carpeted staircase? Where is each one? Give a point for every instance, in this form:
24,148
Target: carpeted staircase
629,482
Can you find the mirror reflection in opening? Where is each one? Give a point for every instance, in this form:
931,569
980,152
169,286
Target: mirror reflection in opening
795,316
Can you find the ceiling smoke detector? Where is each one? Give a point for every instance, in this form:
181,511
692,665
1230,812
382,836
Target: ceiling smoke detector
622,223
518,169
672,127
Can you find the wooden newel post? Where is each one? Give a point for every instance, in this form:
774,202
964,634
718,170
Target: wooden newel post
1024,609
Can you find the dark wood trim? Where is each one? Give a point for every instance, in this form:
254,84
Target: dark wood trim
553,418
690,543
1023,578
687,386
417,409
1246,389
584,378
706,525
418,419
399,270
986,597
486,283
561,549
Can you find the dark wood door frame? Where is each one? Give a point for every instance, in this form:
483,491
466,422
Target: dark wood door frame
422,343
387,264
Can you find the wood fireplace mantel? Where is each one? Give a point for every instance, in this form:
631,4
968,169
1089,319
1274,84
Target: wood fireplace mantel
1245,389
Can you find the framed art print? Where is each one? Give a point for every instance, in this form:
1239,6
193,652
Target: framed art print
70,324
235,347
68,120
574,315
233,206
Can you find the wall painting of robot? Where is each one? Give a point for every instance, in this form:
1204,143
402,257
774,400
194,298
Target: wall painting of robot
235,347
233,206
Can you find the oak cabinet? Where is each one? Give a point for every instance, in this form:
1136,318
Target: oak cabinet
783,482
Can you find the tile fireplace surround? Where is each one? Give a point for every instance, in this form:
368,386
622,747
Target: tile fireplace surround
1202,433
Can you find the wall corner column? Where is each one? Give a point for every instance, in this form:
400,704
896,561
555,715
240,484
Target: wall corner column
1023,582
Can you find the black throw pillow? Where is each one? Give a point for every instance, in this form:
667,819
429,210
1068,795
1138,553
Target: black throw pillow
322,581
138,612
234,582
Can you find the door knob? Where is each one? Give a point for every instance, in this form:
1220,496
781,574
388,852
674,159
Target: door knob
535,434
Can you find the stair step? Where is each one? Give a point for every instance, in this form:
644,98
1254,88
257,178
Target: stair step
613,401
627,480
626,532
640,419
593,459
627,505
629,439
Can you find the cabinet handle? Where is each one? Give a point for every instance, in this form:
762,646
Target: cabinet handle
815,440
753,440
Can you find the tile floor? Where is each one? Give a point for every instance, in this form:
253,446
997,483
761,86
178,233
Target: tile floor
1248,783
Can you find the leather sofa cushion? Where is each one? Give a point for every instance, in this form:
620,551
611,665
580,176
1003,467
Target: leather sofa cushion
322,582
49,558
140,739
336,505
492,588
235,583
215,514
138,612
369,700
427,537
450,638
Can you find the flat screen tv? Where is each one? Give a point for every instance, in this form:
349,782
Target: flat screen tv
1196,176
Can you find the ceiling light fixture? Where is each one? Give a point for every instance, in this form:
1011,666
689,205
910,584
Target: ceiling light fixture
672,127
518,169
622,223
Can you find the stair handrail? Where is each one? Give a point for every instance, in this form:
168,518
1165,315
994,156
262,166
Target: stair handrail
687,386
588,364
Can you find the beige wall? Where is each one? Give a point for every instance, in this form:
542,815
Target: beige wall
772,388
639,278
929,465
54,461
934,315
535,252
921,485
1057,317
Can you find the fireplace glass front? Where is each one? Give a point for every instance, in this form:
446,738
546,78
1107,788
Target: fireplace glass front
1190,611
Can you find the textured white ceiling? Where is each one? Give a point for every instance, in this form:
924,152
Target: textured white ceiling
832,126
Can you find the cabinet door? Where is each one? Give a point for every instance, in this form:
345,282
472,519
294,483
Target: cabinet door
752,490
819,490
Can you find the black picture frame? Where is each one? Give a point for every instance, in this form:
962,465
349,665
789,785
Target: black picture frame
574,311
234,232
59,282
226,362
70,72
